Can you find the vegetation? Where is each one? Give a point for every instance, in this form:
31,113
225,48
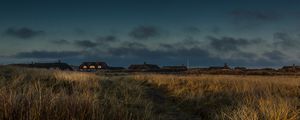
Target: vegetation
50,94
230,97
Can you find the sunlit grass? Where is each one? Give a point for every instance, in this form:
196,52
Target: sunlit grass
42,94
51,94
233,97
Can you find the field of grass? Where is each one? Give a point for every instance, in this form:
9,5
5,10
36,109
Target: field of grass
44,94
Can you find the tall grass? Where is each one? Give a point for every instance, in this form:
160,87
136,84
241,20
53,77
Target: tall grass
34,94
37,94
232,97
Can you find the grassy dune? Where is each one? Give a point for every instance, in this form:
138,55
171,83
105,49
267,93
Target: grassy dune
43,94
231,97
40,94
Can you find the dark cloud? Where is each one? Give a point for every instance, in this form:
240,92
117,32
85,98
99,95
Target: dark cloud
79,31
253,18
191,30
244,55
60,42
285,40
144,32
85,43
188,42
274,55
139,50
255,15
107,39
128,48
135,52
166,46
226,44
196,56
47,54
23,33
216,30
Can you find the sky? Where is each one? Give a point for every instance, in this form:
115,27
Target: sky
251,33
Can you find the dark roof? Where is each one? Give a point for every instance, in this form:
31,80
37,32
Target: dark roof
240,68
218,67
62,66
102,64
174,67
96,65
143,67
291,67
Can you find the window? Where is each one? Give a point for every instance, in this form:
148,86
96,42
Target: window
99,67
92,67
84,67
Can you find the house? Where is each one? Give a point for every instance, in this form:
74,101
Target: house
174,68
225,67
144,67
57,66
293,68
240,68
268,69
92,66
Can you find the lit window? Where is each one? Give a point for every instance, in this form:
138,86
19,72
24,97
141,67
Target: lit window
99,67
92,67
84,67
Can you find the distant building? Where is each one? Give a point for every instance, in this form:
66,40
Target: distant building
293,68
240,68
93,66
144,67
268,69
225,67
59,65
174,68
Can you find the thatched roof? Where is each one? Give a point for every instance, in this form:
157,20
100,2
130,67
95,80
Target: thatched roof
143,67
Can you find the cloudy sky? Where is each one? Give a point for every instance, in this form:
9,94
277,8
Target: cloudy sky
252,33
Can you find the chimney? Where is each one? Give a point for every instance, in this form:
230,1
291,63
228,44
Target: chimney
225,65
294,66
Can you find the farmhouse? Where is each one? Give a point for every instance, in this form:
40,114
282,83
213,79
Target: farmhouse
225,67
143,67
174,68
91,66
293,68
240,68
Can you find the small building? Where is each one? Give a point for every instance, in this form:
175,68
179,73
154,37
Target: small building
174,68
240,68
268,69
293,68
225,67
93,66
144,67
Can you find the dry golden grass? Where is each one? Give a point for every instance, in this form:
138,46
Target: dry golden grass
45,94
75,76
35,94
232,97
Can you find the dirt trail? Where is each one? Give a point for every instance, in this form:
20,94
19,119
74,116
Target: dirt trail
167,106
